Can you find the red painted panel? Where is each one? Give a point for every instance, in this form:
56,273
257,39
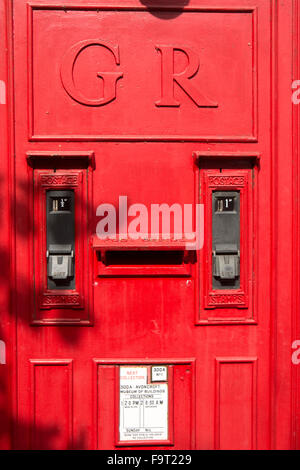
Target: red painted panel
235,404
296,231
52,404
180,408
63,306
227,305
87,57
136,137
6,241
104,406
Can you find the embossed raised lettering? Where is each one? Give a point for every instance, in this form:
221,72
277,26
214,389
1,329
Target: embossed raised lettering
226,181
226,299
109,78
182,79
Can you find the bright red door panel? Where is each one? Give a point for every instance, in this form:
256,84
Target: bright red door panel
123,112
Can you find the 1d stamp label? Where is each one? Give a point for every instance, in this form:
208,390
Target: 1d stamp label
143,405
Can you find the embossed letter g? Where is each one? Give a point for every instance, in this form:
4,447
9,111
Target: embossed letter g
109,78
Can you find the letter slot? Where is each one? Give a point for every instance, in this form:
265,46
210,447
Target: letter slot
226,239
60,239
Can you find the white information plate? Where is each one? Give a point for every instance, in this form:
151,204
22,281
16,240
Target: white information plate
159,373
143,405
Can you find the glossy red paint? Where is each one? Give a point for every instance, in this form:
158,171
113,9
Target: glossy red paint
164,104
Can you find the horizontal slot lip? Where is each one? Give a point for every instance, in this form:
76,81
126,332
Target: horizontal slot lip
175,271
142,244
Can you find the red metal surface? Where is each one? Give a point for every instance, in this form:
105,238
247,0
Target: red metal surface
147,100
49,304
239,305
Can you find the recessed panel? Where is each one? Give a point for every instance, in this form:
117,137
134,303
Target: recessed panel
236,403
133,75
149,402
52,397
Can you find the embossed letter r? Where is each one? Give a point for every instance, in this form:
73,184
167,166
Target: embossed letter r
183,79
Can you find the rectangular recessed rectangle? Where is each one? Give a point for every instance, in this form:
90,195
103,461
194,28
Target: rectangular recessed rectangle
235,404
52,407
134,411
171,91
226,266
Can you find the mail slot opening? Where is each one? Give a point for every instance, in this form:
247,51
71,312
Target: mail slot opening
142,258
